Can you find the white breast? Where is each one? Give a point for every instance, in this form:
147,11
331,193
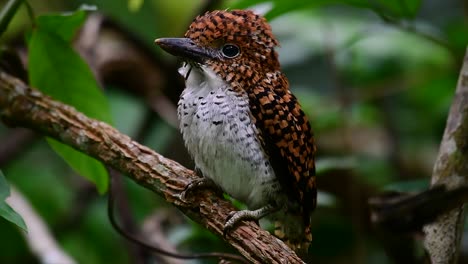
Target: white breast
217,129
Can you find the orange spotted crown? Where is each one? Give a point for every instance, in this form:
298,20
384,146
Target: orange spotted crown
238,26
249,31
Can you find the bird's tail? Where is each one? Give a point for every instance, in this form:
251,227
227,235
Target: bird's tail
295,232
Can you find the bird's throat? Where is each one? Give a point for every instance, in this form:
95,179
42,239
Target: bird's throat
201,76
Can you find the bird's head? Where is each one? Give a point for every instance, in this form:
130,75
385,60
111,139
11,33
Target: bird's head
236,45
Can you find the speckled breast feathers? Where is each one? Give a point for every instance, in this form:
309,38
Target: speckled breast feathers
283,128
233,78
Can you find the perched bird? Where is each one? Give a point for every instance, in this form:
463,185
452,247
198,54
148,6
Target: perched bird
241,123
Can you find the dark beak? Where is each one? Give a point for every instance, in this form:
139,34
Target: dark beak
185,48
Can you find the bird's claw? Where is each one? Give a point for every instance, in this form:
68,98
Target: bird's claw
235,217
196,184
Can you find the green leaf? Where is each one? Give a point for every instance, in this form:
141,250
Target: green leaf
412,7
400,8
10,215
326,199
280,7
57,70
64,26
83,164
411,186
5,210
395,8
324,165
135,5
4,188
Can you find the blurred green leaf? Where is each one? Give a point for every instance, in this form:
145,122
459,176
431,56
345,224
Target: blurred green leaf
82,163
10,215
5,210
328,225
239,205
57,70
92,240
401,8
374,170
135,5
4,188
63,26
324,165
326,199
412,6
457,35
408,186
45,167
280,7
431,98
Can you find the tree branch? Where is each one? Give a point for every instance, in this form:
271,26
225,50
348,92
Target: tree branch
23,106
442,238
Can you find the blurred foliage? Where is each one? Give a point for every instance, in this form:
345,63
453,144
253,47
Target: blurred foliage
376,79
6,212
57,70
397,9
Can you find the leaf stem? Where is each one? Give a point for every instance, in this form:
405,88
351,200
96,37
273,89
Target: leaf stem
7,12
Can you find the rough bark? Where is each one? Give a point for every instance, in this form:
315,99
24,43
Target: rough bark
26,107
442,238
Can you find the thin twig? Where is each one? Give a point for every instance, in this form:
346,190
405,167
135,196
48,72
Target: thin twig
137,254
154,227
146,245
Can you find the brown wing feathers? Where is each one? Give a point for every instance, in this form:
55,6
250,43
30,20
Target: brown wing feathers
287,138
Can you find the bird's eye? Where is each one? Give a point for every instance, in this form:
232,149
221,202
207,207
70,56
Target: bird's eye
230,51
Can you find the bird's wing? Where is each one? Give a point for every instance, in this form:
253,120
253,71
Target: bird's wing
287,138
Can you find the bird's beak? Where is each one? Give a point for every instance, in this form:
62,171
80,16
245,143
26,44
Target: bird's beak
185,48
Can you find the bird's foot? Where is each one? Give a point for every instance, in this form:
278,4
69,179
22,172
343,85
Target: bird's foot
236,216
197,184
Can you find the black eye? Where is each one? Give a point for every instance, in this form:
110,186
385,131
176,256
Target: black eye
230,51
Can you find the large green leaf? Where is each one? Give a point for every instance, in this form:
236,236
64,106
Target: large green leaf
57,70
410,186
135,5
83,164
400,8
5,210
64,26
396,8
4,188
279,7
411,7
325,165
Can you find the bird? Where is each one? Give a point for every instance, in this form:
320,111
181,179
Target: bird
243,127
